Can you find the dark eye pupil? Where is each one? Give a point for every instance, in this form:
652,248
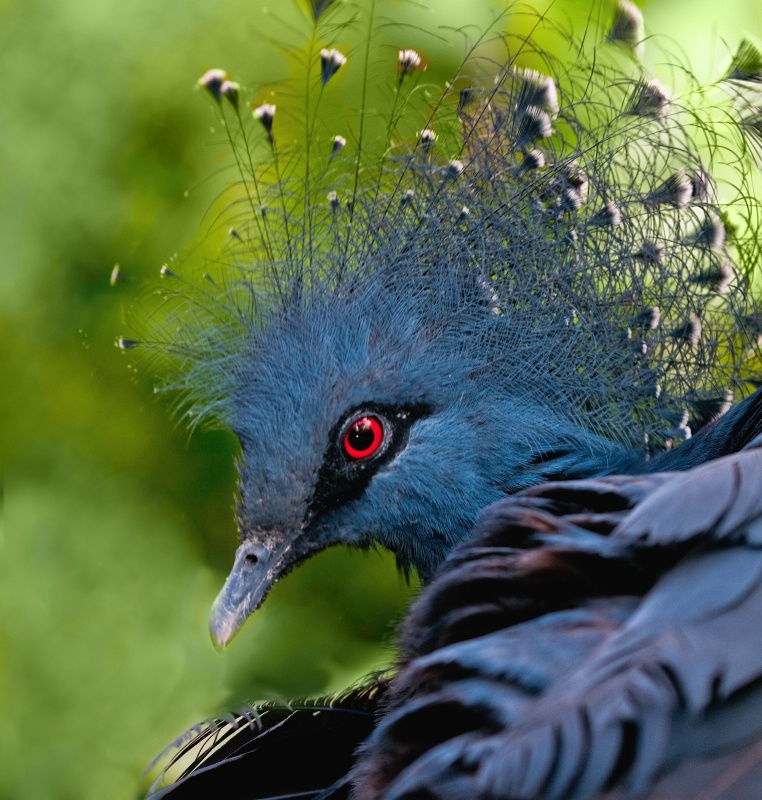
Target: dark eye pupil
361,436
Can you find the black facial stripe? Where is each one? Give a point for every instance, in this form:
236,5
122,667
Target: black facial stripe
342,479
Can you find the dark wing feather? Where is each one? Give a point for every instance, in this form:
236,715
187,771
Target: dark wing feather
709,502
627,661
724,435
302,750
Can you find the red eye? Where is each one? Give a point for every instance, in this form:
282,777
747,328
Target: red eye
363,437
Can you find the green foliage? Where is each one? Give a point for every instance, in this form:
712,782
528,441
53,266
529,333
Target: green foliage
118,528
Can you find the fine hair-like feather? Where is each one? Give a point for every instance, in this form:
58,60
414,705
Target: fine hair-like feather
559,231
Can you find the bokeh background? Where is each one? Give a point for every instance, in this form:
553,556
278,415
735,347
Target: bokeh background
117,527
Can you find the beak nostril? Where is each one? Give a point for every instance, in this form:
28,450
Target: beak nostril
251,559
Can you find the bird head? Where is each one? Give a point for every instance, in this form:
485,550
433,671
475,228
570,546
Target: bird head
409,332
367,416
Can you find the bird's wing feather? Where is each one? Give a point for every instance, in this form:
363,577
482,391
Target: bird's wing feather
726,434
619,689
298,749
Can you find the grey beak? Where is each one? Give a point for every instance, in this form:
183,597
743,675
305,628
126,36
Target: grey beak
254,572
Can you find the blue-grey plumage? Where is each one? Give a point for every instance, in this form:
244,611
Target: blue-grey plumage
457,432
515,287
